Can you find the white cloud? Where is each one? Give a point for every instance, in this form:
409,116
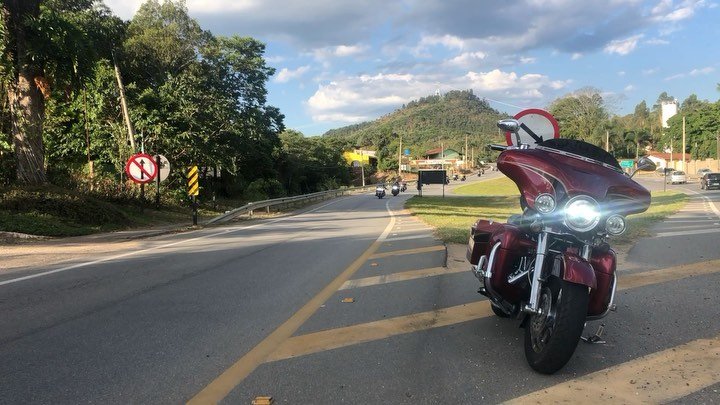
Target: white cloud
221,6
695,72
657,41
467,59
702,71
526,60
629,87
285,74
651,71
576,56
623,46
448,41
621,73
666,11
364,97
340,51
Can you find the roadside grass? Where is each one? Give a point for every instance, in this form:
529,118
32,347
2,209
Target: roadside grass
57,212
500,186
452,217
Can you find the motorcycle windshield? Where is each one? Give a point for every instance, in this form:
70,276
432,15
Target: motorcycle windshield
565,168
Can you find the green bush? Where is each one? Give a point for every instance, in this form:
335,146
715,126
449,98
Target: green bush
262,189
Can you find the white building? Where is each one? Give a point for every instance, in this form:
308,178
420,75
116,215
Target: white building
668,109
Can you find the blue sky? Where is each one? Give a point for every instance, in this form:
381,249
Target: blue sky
341,62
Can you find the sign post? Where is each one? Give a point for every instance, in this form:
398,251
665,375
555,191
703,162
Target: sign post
193,189
141,169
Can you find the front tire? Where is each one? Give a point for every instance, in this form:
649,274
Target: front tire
551,337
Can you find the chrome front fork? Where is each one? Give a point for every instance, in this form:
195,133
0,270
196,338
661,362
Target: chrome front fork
533,306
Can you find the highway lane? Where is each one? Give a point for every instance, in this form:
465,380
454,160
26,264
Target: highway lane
415,331
155,326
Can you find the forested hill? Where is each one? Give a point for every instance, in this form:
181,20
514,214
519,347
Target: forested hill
426,123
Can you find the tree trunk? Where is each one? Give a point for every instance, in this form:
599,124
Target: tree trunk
27,109
27,105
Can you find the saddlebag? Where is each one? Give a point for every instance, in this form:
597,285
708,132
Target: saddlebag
479,243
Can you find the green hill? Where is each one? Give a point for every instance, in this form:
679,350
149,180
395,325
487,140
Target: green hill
426,124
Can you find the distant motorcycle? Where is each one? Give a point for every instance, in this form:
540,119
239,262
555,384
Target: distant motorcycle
395,190
462,178
379,191
403,187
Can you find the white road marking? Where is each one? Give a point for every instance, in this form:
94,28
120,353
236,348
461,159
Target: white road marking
137,252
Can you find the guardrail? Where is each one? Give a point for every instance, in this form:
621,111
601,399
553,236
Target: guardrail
305,198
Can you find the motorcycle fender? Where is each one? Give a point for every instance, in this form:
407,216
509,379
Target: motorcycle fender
577,270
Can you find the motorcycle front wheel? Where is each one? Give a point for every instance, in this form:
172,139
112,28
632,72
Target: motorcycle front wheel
552,336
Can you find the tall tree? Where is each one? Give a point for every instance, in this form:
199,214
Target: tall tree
582,115
24,79
42,42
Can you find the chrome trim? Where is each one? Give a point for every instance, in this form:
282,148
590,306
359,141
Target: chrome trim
576,156
610,304
532,306
488,272
479,270
586,252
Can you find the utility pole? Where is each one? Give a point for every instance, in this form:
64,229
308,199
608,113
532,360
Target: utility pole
671,152
607,141
682,166
466,152
442,155
362,167
400,158
123,104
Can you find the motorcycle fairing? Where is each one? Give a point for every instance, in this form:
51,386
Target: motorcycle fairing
535,171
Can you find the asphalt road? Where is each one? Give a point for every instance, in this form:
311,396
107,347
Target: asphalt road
346,303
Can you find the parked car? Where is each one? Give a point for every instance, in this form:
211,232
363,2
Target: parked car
703,172
710,180
678,177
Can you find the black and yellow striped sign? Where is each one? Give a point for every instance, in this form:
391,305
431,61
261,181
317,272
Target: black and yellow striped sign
192,179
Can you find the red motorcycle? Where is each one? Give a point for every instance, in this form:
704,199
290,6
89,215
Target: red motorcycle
551,266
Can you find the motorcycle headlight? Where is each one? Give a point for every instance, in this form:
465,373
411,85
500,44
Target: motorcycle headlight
615,224
582,213
545,203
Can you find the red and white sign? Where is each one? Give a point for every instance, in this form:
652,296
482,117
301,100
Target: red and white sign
535,126
141,168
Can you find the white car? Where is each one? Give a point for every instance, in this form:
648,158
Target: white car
678,177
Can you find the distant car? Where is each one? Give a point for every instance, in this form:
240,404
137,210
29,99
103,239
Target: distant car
710,180
678,177
664,171
702,172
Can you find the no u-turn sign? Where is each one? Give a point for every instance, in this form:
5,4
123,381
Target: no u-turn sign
141,168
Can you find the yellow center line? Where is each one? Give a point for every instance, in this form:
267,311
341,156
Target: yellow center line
366,332
361,333
656,378
635,280
403,276
230,378
408,251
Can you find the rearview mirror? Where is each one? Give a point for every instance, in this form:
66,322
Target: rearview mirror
644,164
509,125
